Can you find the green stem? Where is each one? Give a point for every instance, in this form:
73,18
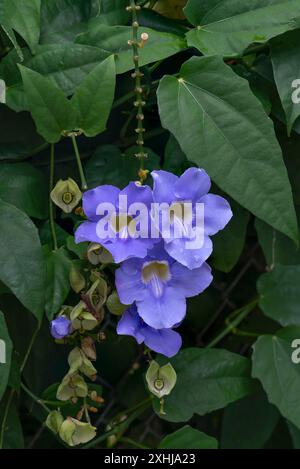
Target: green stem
35,398
51,205
131,442
242,314
12,391
84,185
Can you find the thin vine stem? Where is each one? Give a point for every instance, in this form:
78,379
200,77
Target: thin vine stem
35,398
51,205
84,185
138,75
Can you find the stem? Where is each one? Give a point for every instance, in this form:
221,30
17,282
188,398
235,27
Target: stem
137,75
12,391
131,442
51,205
84,185
35,398
242,314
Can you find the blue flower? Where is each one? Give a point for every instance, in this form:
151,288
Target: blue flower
192,187
159,286
164,341
60,327
116,222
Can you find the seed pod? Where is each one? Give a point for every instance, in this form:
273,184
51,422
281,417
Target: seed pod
66,195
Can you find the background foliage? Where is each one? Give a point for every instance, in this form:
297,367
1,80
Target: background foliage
218,83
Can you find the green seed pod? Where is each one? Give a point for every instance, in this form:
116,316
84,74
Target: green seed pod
97,254
73,385
114,304
161,379
54,421
73,432
79,362
66,195
77,280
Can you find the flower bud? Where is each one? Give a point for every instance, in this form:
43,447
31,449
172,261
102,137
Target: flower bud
73,432
77,280
66,195
114,304
79,362
161,379
73,385
54,421
97,254
60,327
88,347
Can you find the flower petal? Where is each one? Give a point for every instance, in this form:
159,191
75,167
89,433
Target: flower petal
192,185
191,258
129,283
188,282
87,232
130,324
102,194
217,213
163,312
163,188
165,341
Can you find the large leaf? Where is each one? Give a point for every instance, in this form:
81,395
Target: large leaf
280,294
58,283
94,97
24,18
227,27
223,128
188,438
115,39
51,110
65,64
207,380
5,355
22,264
13,436
280,377
248,423
285,59
20,184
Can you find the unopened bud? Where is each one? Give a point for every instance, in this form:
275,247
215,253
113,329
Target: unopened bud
66,195
161,379
77,280
114,304
54,421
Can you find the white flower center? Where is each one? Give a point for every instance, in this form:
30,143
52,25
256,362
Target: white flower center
156,274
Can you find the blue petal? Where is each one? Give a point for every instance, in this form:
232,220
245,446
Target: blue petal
191,258
165,341
192,185
102,194
130,324
188,282
217,213
129,282
163,188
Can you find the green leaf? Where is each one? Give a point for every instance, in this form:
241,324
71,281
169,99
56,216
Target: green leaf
113,12
223,128
22,263
24,18
188,438
285,52
175,160
277,248
13,435
280,377
19,185
228,27
115,39
280,294
67,65
5,355
94,98
109,166
58,283
51,110
229,243
207,380
248,423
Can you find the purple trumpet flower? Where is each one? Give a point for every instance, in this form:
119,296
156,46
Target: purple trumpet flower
60,327
189,195
164,341
159,286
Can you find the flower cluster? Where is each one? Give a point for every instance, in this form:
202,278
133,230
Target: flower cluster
159,269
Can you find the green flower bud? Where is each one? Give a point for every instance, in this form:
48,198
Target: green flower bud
73,432
82,319
161,379
73,385
97,254
79,362
54,421
77,280
114,304
66,195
